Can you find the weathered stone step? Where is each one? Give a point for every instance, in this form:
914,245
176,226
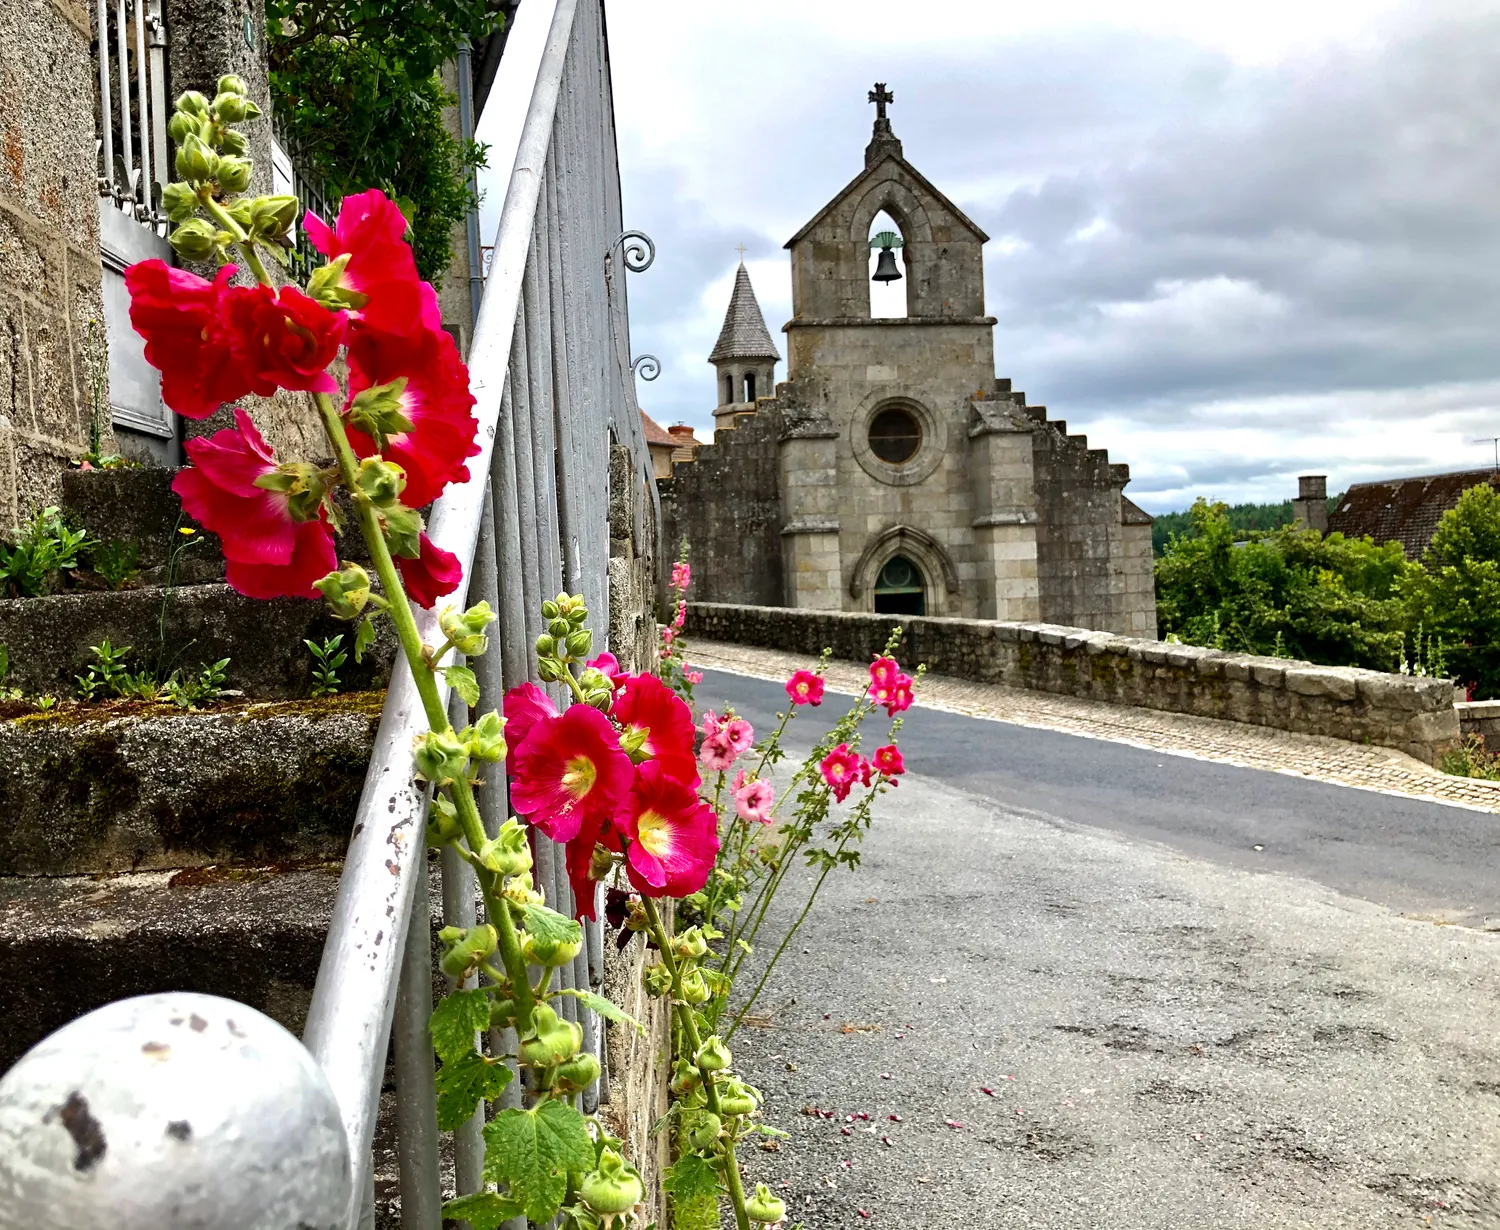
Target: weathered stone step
49,639
131,787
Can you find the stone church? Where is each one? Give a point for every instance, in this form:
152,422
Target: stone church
892,471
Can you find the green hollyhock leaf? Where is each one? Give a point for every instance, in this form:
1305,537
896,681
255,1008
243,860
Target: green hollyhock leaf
692,1178
605,1008
462,1083
482,1210
532,1152
549,928
455,1021
461,680
363,639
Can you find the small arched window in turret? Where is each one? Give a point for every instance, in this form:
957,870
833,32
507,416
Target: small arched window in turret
900,588
750,387
728,389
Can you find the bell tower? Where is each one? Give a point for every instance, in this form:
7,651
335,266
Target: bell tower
744,357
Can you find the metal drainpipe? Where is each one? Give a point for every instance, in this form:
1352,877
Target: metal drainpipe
471,222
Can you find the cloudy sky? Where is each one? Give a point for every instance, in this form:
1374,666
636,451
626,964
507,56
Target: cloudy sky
1233,242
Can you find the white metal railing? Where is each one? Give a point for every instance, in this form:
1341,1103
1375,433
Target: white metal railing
133,102
549,365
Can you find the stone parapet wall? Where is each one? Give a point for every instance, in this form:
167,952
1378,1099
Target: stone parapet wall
1482,718
1410,714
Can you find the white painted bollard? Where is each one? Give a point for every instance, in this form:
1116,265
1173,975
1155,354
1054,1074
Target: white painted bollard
171,1112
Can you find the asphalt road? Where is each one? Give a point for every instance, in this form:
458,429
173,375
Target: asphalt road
1063,991
1415,857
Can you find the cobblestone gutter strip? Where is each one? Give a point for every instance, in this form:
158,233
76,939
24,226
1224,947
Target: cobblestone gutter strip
1254,747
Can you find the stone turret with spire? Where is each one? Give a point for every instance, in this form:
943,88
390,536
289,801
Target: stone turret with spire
744,357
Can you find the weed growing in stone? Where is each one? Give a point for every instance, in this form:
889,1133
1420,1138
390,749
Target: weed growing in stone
327,658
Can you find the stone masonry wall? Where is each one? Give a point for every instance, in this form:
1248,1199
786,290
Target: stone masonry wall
727,503
1413,715
49,249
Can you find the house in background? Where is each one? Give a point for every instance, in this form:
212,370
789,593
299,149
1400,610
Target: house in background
1404,510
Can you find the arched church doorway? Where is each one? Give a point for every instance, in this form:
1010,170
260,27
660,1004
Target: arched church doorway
900,588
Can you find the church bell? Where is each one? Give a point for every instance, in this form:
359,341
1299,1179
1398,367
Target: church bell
885,263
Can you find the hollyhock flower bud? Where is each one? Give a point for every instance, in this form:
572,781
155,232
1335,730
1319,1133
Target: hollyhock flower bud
704,1131
658,724
580,642
601,863
550,952
485,738
191,103
271,217
569,768
197,239
196,161
240,211
553,1042
434,573
753,802
231,108
713,1055
690,944
508,853
658,982
441,757
233,142
805,688
180,201
694,989
502,1013
607,663
233,173
466,630
545,645
840,769
685,1076
181,124
597,690
764,1207
888,761
442,822
577,1073
466,950
230,83
347,590
737,1098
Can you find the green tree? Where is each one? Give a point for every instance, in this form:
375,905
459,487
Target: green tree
1457,596
1288,592
356,86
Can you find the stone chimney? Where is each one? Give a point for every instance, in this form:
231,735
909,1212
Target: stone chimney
1310,508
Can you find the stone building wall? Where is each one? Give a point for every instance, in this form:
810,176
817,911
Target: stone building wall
1410,714
49,250
727,503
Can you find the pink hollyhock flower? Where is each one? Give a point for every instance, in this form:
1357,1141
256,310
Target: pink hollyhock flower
883,672
680,619
740,734
432,574
525,705
682,575
183,320
668,635
284,339
647,709
268,552
896,695
805,688
753,801
841,769
672,835
371,230
712,723
436,401
693,677
570,769
716,754
888,761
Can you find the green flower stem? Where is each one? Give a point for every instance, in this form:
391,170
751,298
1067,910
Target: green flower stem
694,1042
252,258
496,906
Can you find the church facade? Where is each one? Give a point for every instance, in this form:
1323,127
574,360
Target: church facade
892,471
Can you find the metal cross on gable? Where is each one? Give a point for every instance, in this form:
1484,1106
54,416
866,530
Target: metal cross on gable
880,96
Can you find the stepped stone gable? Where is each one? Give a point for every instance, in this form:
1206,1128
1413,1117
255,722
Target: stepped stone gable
892,472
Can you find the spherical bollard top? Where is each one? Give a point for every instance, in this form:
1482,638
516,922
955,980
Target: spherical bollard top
171,1112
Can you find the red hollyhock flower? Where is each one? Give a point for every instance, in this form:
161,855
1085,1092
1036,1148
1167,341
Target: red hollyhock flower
371,230
436,401
896,695
805,688
672,835
268,552
841,769
183,320
644,704
570,769
580,857
284,339
888,760
525,706
432,574
883,672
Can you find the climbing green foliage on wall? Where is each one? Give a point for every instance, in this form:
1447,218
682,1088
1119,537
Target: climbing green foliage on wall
356,86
